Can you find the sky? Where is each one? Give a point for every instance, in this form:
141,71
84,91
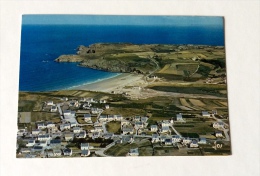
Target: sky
122,20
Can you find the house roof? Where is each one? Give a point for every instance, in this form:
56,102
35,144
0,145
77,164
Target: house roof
205,113
84,152
67,150
55,141
179,115
84,144
87,115
134,150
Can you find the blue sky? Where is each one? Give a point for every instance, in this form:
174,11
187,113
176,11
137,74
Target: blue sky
122,20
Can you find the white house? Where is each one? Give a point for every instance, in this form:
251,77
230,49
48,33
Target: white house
194,144
50,125
43,143
67,152
65,126
176,138
127,130
205,114
95,135
155,138
138,125
36,132
57,152
202,141
165,123
110,117
218,134
137,118
179,117
102,118
30,143
76,130
87,118
50,103
118,117
165,129
44,137
98,129
154,128
96,110
102,101
186,140
168,141
133,152
106,106
41,125
69,136
84,146
218,125
85,152
54,108
73,124
82,134
21,132
144,119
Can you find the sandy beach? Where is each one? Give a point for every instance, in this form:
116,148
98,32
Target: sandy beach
115,84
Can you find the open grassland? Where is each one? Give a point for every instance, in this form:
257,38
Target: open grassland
184,102
196,102
144,146
114,127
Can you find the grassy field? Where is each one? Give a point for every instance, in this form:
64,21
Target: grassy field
114,127
144,146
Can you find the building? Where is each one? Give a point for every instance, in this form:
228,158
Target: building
84,146
54,108
67,152
69,136
168,141
165,129
179,117
176,138
154,128
87,118
218,134
218,125
205,114
133,152
194,144
85,153
155,138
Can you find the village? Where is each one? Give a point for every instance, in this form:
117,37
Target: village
82,128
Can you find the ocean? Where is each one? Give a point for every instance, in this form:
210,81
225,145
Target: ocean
42,44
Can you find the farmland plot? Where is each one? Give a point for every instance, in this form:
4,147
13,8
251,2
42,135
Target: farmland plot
196,102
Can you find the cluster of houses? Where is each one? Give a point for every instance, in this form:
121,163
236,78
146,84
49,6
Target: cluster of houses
50,139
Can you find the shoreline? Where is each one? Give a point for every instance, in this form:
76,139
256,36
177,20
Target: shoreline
115,84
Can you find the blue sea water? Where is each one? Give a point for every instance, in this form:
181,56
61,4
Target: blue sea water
42,44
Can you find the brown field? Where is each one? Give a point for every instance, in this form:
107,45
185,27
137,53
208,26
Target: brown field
196,102
184,102
223,103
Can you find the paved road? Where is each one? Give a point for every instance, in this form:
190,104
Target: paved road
175,131
101,151
60,111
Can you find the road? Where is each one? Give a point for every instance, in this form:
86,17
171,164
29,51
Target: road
101,151
176,132
60,111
